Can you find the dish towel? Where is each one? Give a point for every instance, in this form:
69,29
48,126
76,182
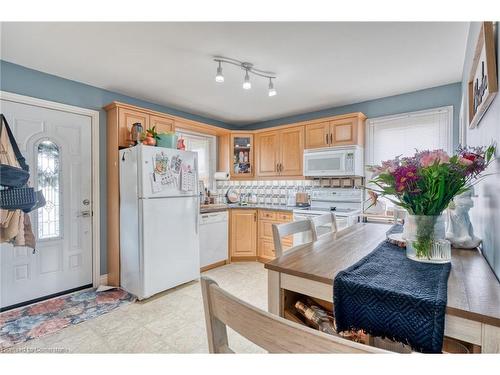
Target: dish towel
386,294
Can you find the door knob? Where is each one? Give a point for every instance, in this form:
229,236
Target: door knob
86,202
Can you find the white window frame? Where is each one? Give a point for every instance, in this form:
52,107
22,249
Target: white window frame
373,122
212,153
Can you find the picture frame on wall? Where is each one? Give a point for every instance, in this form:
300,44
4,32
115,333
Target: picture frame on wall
483,80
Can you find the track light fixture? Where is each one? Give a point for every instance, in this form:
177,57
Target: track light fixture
247,85
272,91
248,68
219,78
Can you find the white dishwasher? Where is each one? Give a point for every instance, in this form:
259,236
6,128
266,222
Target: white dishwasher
213,238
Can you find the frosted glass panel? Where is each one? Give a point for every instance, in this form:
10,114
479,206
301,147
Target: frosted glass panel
48,180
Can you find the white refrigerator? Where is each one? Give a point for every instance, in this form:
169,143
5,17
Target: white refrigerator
159,206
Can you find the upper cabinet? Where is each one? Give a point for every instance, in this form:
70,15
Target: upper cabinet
280,152
161,124
318,135
291,151
121,117
126,118
344,131
241,147
268,154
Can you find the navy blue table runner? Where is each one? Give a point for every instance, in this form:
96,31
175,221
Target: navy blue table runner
386,294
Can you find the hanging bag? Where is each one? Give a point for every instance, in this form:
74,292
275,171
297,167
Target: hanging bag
11,175
15,193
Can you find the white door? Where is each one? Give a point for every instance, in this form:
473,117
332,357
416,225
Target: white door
57,146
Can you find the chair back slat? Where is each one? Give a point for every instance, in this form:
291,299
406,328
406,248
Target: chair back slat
286,229
324,220
268,331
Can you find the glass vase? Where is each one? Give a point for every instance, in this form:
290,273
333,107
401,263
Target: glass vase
425,239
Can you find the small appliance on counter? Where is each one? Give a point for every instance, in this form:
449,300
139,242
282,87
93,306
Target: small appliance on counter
302,199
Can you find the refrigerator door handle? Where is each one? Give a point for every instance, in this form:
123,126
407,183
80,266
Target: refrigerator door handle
196,214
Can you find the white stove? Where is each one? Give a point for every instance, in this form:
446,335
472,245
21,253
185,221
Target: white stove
345,203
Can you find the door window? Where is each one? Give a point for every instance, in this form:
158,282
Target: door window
48,180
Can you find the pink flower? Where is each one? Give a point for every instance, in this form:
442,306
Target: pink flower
465,161
429,158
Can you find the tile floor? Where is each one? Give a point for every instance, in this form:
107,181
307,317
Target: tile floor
172,322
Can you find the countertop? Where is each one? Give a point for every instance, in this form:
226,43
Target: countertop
473,290
222,207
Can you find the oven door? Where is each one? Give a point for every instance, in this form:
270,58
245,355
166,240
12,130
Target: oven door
325,163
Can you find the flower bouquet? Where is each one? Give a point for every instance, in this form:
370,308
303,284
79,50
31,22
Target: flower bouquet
424,185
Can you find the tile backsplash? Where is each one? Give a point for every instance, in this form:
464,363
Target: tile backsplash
273,192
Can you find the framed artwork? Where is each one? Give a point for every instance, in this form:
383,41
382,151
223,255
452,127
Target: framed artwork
483,81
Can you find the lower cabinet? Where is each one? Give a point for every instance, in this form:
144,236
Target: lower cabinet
243,234
265,250
251,233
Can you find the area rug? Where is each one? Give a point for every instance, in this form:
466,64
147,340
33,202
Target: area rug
43,318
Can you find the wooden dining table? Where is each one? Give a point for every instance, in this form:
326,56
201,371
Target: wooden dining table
473,306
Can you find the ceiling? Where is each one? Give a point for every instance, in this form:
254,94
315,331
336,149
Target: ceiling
319,65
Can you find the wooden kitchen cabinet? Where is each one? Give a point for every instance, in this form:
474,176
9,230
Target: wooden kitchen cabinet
267,153
343,131
243,234
292,151
161,124
126,118
242,157
265,251
280,152
318,135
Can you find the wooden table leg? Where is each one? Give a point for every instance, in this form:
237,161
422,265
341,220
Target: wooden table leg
273,292
490,342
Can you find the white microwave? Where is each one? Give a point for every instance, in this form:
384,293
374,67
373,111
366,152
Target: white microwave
334,161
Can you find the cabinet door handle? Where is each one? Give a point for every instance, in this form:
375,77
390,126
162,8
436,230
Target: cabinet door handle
331,138
326,138
255,216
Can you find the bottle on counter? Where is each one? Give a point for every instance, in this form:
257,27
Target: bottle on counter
317,316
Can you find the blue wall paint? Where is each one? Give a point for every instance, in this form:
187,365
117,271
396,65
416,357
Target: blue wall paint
20,80
413,101
485,215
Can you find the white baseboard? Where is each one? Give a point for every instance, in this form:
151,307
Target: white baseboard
103,280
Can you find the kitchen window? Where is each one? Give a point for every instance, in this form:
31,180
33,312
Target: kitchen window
205,146
390,136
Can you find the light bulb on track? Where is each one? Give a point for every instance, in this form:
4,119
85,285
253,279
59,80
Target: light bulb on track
219,78
247,85
272,91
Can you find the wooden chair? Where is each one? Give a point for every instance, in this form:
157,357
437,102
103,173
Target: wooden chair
323,220
287,229
269,331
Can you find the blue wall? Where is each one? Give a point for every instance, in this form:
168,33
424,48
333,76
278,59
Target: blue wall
20,80
412,101
485,215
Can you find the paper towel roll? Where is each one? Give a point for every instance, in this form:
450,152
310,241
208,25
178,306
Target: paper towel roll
221,176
